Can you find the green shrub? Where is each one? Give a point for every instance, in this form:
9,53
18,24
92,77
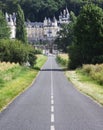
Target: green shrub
38,51
74,57
31,56
17,52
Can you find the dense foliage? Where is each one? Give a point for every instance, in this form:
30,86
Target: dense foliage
15,51
88,30
36,10
4,29
64,38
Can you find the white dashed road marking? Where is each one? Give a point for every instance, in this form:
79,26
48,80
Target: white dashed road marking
52,127
52,118
51,97
52,102
52,109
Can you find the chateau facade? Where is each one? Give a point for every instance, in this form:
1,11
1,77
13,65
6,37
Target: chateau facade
40,31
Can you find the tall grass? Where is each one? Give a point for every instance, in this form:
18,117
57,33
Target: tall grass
94,71
62,59
7,65
41,59
85,84
8,71
14,79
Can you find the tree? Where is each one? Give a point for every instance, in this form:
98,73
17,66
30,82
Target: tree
20,25
4,29
61,40
65,37
2,5
89,35
73,18
66,34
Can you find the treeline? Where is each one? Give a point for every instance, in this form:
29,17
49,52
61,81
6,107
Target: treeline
36,10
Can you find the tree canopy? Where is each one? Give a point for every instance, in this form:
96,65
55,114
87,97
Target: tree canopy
20,25
89,36
4,29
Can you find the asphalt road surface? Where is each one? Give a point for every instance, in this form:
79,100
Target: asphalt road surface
52,103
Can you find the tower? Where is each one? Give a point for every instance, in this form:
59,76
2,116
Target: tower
49,22
64,17
7,17
67,14
11,24
60,17
45,22
54,23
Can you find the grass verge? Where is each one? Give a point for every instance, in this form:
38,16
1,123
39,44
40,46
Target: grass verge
16,79
62,59
86,85
88,80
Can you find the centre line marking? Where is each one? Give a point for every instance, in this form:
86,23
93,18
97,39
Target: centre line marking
52,102
52,108
51,80
51,97
52,128
52,118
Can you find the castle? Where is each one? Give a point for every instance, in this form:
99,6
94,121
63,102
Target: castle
40,31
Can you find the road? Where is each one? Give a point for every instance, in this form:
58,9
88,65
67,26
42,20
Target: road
52,103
